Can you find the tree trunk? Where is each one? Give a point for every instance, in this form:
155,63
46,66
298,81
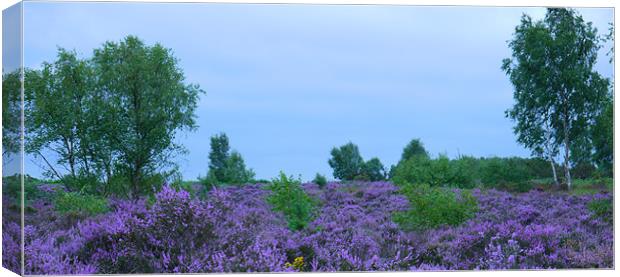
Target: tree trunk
567,161
555,174
136,178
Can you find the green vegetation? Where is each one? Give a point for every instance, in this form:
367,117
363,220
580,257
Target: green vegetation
346,161
512,174
602,208
226,166
78,204
414,148
557,100
320,180
432,207
289,198
348,165
111,119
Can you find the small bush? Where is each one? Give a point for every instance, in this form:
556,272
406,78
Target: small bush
289,197
74,203
602,208
432,207
320,180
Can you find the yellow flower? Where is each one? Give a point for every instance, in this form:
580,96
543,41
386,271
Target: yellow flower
297,264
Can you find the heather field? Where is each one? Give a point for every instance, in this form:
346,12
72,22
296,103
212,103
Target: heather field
234,229
307,138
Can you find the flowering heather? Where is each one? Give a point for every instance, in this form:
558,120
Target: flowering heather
234,229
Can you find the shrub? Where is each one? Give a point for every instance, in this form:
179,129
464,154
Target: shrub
602,208
434,172
74,203
432,207
11,187
289,198
320,180
505,173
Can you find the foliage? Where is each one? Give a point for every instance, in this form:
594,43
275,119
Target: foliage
34,189
218,156
373,170
79,204
235,171
346,161
109,117
512,173
11,112
432,207
602,139
61,113
557,98
147,102
226,167
505,173
434,172
320,180
289,198
414,148
602,208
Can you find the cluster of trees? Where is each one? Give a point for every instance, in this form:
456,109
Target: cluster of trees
348,164
110,120
226,166
514,173
563,107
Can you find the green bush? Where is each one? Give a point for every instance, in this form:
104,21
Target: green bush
320,180
602,208
75,203
434,172
511,174
86,183
11,187
289,198
431,207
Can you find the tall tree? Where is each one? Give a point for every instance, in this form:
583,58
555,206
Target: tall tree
235,171
346,161
218,156
558,94
226,166
414,148
148,102
57,110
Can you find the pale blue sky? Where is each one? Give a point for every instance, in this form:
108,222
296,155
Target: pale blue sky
289,82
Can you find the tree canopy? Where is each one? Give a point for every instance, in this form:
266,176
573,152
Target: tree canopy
112,116
557,93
